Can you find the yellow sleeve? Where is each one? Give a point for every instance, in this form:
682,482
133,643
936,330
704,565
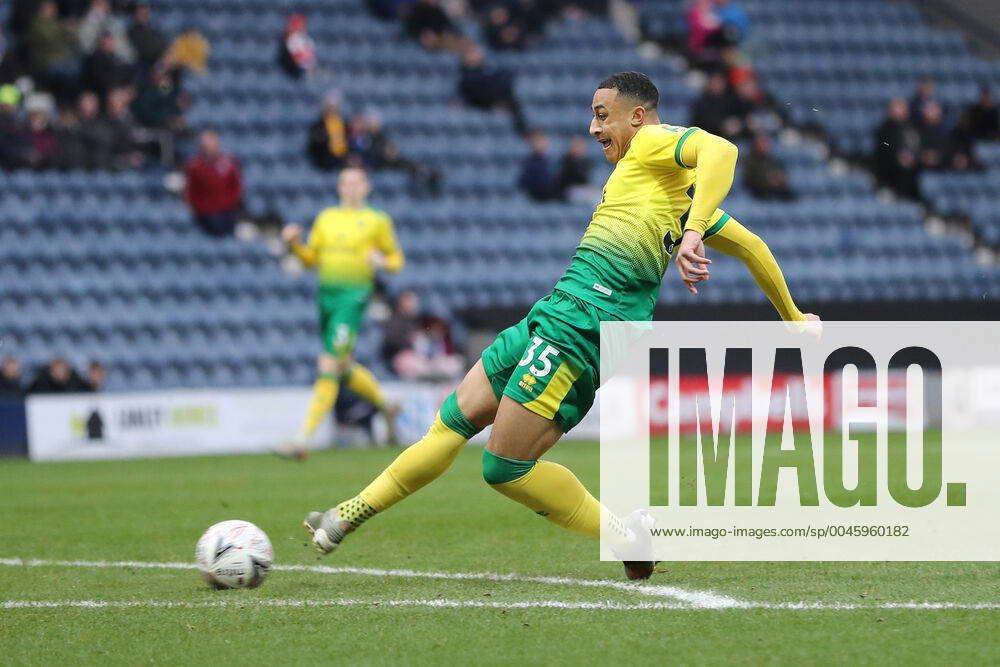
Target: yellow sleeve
736,240
308,253
386,242
715,160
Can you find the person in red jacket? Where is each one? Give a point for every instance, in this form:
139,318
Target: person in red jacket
214,187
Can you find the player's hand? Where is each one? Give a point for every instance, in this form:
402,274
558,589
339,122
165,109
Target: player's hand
291,234
692,265
377,260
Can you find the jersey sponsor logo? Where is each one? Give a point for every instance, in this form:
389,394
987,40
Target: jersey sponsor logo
602,289
527,382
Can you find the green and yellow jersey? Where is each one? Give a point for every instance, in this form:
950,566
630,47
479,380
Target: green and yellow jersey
620,261
341,244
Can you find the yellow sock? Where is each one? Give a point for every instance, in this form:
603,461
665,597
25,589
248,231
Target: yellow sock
418,465
362,382
554,492
324,396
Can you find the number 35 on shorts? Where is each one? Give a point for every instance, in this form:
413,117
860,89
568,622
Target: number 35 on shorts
542,365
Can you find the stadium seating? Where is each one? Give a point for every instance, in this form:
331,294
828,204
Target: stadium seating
110,265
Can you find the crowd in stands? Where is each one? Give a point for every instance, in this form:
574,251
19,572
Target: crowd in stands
545,180
924,135
55,377
92,85
733,104
359,140
482,84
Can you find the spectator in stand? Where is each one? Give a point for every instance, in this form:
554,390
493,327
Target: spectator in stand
389,10
328,140
94,133
51,53
297,51
754,108
11,383
12,144
984,118
71,151
503,31
717,110
157,104
126,150
488,87
149,42
764,174
369,145
429,24
539,178
96,375
42,150
702,23
214,187
104,69
925,93
57,377
419,347
897,148
100,22
963,157
935,139
734,20
574,173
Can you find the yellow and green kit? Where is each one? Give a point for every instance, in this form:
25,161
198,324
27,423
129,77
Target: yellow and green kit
549,361
341,247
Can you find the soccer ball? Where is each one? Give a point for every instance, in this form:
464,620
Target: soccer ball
234,554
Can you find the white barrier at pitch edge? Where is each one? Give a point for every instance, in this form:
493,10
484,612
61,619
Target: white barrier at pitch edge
191,422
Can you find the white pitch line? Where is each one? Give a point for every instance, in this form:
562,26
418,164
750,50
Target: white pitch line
692,597
685,599
261,603
464,604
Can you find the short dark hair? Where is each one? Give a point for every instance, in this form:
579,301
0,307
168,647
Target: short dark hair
635,85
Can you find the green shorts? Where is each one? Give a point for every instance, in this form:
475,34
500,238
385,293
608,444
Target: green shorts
341,312
549,362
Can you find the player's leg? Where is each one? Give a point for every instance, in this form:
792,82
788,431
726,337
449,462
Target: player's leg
549,392
324,396
464,413
341,311
361,381
511,465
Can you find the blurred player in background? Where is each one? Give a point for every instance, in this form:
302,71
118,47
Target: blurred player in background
347,245
539,377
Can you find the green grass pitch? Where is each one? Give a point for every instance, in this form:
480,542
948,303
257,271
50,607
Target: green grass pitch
153,512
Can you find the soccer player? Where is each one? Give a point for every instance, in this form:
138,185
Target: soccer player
538,378
347,245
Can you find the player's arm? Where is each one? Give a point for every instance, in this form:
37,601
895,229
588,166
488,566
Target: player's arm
737,241
390,255
715,159
307,254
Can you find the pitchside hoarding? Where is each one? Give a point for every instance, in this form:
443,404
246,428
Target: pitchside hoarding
865,441
189,422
